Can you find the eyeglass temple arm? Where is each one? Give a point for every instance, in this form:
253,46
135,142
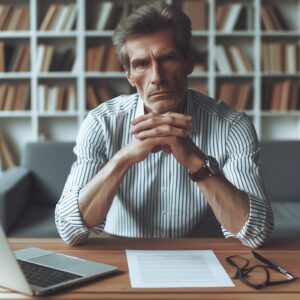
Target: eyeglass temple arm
271,265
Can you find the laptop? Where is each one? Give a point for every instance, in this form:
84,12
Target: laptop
35,271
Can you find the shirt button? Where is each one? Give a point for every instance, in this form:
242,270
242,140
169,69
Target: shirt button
163,212
164,189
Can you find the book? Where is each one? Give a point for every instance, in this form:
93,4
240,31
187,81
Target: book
6,154
4,15
294,98
196,10
3,90
232,17
285,95
23,22
222,13
104,93
290,59
49,17
244,94
49,53
21,97
104,11
222,61
16,14
71,18
71,98
2,57
112,62
10,97
61,17
92,100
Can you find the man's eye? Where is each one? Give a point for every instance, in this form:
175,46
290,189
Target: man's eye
141,64
169,57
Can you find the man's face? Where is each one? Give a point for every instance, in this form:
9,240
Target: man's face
158,71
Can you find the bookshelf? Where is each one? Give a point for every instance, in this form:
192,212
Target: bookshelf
226,24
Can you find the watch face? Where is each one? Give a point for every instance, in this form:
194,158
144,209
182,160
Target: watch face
212,164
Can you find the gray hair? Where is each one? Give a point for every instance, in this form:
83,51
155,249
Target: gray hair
153,18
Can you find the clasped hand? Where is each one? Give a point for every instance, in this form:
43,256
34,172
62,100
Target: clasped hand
167,132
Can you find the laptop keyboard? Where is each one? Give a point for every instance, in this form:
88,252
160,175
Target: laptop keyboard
44,276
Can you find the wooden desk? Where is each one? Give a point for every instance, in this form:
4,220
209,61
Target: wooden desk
285,253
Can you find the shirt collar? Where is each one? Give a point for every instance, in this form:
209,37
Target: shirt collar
140,110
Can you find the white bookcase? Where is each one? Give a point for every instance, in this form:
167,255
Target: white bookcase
23,126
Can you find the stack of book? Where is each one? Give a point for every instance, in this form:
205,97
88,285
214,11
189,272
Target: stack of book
200,88
59,17
280,57
49,59
281,95
14,58
272,19
14,96
197,11
56,98
110,13
14,18
227,16
96,96
232,59
102,58
236,95
6,158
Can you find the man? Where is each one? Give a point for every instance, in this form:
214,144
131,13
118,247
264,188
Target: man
155,163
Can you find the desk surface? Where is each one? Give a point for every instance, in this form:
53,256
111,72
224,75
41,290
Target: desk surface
285,253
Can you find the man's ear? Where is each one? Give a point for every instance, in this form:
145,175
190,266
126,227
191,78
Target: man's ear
128,75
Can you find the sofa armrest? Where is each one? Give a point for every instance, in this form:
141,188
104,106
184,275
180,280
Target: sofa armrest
14,192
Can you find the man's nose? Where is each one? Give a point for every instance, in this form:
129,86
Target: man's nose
157,75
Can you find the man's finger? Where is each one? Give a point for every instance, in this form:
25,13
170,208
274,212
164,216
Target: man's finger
159,120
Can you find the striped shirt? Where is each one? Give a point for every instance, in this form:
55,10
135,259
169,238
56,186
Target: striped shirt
156,197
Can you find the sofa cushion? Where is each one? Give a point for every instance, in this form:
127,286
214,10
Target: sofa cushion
286,220
50,164
36,221
280,165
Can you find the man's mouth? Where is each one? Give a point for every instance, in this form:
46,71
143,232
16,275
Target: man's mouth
160,93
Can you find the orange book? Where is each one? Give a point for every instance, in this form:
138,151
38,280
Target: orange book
104,93
112,62
2,57
6,153
294,98
10,97
196,10
92,100
23,22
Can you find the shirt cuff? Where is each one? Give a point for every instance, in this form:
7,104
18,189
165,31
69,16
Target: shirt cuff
69,221
258,226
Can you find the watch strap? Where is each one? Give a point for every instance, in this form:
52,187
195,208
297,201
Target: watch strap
201,174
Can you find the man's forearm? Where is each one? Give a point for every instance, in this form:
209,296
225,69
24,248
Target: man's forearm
96,197
229,204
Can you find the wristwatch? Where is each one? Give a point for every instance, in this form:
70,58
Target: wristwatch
209,168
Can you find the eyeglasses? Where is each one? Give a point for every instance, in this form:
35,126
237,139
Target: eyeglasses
258,276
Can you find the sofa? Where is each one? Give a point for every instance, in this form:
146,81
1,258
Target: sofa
28,193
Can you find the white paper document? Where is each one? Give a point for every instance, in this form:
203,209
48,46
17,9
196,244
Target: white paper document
176,269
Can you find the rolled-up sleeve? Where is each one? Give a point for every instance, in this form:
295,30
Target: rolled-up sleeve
242,170
90,152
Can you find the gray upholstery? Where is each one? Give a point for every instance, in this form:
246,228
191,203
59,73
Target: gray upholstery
28,194
49,163
280,166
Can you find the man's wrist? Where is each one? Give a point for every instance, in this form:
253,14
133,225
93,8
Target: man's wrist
196,163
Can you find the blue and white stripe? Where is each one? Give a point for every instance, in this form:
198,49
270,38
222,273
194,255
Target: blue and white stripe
157,198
